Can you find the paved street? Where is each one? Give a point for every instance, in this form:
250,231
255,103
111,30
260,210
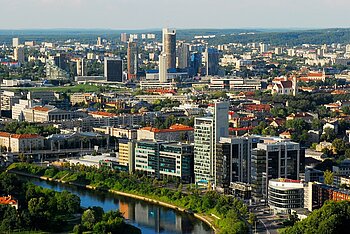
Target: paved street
267,223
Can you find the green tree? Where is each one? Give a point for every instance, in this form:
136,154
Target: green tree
297,125
316,124
339,146
328,135
328,177
346,110
88,219
252,218
293,218
347,153
333,218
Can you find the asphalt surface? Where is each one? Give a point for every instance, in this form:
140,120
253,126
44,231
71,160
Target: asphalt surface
267,223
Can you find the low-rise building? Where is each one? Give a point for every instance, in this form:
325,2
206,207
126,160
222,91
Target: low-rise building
300,115
320,193
41,114
285,194
235,83
164,159
119,132
177,132
21,142
343,169
78,98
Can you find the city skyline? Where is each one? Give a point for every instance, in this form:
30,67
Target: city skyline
122,14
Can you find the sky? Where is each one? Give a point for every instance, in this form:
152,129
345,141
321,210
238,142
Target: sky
151,14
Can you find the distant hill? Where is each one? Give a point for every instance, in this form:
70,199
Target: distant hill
281,37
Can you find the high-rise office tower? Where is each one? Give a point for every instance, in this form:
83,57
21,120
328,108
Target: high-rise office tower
18,54
124,37
207,133
132,57
113,69
275,160
163,71
263,48
183,56
99,41
234,159
212,59
60,61
81,68
169,47
15,42
195,63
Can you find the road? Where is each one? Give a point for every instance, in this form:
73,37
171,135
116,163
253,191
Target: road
267,223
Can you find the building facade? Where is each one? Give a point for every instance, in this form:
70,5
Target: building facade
169,47
207,133
176,132
132,57
113,69
235,155
285,194
275,160
21,142
163,159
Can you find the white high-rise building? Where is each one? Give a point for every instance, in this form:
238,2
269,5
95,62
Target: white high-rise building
163,71
99,41
347,51
18,54
291,52
15,42
81,69
263,48
208,131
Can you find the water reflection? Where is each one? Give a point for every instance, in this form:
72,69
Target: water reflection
150,218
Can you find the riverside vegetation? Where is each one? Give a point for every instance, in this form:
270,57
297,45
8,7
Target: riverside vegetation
45,210
232,213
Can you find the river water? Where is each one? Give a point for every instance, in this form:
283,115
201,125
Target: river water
150,218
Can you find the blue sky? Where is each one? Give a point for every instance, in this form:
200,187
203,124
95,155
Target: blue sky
140,14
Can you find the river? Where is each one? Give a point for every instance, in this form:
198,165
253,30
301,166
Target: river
150,218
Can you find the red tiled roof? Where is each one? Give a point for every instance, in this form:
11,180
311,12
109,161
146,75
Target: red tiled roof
7,201
258,107
181,127
19,136
25,136
173,128
240,129
286,133
101,113
315,74
5,134
40,108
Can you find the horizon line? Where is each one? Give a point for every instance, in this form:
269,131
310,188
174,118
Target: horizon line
178,28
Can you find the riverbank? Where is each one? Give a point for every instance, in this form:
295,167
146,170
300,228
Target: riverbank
204,218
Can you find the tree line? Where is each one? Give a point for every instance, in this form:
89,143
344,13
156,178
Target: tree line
232,212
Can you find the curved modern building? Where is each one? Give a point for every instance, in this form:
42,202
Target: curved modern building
285,194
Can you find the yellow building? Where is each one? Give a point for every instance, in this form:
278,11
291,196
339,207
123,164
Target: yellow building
127,153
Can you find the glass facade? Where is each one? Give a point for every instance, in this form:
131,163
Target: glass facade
165,159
